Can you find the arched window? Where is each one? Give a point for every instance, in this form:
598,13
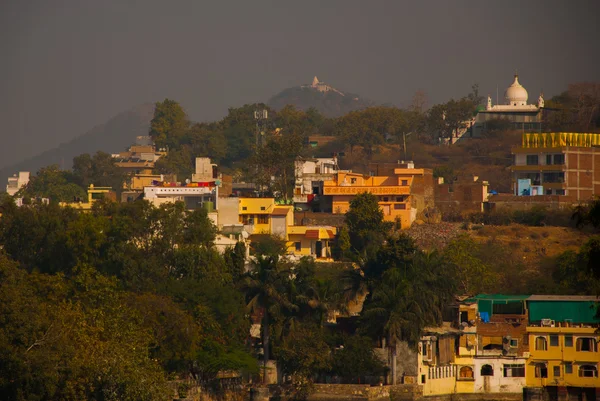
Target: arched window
487,370
541,344
588,371
466,372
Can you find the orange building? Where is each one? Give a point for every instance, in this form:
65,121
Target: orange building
399,195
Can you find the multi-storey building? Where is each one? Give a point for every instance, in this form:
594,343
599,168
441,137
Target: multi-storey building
17,182
523,347
557,164
563,337
400,195
310,174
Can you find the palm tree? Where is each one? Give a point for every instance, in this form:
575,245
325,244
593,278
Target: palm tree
405,300
265,286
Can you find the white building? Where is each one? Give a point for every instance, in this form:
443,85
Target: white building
17,182
515,110
309,177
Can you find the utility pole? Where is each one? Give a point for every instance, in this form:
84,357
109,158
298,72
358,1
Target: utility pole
404,135
261,117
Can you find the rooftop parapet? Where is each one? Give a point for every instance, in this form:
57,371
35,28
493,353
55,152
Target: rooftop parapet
559,139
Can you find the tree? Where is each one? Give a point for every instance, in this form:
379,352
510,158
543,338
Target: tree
179,162
474,276
576,109
169,124
276,159
80,326
366,226
55,184
356,359
265,286
445,120
99,170
303,353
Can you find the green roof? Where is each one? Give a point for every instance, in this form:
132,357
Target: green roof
576,311
497,297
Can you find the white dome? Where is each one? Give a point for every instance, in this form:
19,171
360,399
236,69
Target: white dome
516,95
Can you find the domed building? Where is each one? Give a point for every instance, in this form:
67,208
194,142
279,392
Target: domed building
522,116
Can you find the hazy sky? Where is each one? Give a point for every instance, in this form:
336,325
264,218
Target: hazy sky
68,65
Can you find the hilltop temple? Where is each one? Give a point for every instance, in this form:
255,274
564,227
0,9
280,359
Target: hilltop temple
522,116
321,86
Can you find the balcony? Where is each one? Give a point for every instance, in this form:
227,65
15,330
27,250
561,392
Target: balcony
375,190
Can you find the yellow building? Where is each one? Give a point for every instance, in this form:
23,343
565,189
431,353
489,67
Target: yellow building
263,216
563,343
396,193
94,194
311,241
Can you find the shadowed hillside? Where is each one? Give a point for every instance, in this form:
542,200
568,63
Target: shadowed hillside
330,104
113,136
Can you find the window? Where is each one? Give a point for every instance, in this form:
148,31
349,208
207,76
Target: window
400,206
386,199
466,372
568,341
514,370
568,367
399,199
556,371
554,341
560,192
352,180
298,246
559,159
464,316
263,208
247,219
532,160
548,159
541,344
404,183
514,343
487,370
423,379
586,344
541,370
588,371
263,219
244,208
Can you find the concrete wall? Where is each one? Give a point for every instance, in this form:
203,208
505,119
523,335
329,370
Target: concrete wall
498,383
228,211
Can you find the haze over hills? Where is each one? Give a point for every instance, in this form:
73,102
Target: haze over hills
113,136
327,100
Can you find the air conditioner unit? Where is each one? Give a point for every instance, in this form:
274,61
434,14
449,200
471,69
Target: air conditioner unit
548,323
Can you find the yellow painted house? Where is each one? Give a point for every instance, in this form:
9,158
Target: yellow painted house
263,216
94,194
563,342
311,241
395,193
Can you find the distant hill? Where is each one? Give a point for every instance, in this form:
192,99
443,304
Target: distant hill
327,100
113,136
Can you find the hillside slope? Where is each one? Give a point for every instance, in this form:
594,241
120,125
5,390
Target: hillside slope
113,136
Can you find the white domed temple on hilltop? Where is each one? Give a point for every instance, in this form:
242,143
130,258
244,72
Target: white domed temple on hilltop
522,116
